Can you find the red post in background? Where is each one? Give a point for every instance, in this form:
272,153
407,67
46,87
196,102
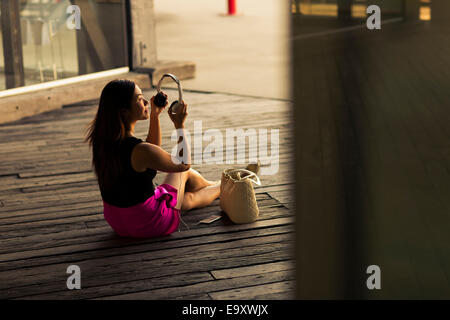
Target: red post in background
231,7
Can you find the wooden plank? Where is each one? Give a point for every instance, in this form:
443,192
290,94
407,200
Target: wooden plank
73,241
100,224
96,250
256,269
208,287
287,197
62,188
106,275
108,265
54,171
14,214
284,289
82,209
13,205
94,218
19,212
182,279
191,222
45,181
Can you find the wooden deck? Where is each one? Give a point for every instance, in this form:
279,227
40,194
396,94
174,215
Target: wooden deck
51,216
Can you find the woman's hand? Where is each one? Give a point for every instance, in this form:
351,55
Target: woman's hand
155,110
179,117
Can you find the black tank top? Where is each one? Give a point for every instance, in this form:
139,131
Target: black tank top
131,187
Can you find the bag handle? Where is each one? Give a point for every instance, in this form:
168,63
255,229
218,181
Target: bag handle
251,174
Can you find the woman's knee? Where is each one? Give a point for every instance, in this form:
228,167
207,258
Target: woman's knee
175,177
188,201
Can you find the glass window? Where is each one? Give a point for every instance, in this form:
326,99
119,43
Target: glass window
58,43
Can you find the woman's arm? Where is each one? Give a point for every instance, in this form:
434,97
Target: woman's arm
147,155
154,129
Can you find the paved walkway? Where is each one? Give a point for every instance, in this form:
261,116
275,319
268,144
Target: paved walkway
51,216
246,54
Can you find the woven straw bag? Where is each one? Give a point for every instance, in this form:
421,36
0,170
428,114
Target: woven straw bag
237,197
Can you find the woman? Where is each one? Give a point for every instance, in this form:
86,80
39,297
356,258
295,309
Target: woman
126,165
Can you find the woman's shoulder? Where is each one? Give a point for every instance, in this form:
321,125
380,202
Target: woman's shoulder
144,151
140,155
142,147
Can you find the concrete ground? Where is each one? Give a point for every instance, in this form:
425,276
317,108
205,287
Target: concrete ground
247,54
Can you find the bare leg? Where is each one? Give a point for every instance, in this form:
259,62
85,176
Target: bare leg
178,181
204,192
196,181
200,198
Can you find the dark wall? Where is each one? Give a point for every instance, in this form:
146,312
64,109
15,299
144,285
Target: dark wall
372,155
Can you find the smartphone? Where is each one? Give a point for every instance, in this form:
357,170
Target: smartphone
210,219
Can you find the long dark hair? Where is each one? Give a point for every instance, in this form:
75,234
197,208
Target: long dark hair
108,128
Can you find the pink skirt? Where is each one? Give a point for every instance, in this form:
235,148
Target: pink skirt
155,217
